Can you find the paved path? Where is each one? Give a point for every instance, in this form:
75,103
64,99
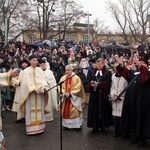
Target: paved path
16,138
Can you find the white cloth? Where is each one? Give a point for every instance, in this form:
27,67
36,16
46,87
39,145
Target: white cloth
117,85
52,94
15,81
99,72
31,127
77,122
76,101
73,123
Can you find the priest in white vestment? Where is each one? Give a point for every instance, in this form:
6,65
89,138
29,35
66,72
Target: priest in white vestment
32,98
52,93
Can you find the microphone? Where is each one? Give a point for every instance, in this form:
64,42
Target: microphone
60,83
66,79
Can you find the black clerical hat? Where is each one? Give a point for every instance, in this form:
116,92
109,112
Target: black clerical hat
32,57
24,61
41,61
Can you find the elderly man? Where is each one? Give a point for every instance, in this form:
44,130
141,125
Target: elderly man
73,98
99,110
32,99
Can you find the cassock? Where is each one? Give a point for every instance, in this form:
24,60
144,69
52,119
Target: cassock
99,109
142,128
136,108
72,107
32,105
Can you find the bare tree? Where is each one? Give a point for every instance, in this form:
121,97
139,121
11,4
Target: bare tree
70,12
98,27
131,16
17,14
141,9
119,14
45,10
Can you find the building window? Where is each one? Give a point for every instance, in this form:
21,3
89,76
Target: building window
70,37
85,38
32,38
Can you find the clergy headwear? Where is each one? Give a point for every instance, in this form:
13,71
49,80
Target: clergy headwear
32,57
41,61
24,61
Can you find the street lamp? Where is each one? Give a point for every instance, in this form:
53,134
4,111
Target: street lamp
6,29
5,11
87,14
148,18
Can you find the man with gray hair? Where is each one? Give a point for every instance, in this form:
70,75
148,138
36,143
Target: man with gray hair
99,109
73,99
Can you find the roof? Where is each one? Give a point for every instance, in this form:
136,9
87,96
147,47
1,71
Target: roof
82,25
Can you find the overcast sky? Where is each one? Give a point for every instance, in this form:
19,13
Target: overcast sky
98,10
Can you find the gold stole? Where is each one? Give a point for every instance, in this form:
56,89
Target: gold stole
36,108
35,105
69,111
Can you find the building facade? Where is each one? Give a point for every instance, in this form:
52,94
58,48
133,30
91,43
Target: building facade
78,33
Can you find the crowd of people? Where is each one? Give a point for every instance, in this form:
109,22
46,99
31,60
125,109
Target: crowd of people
88,72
